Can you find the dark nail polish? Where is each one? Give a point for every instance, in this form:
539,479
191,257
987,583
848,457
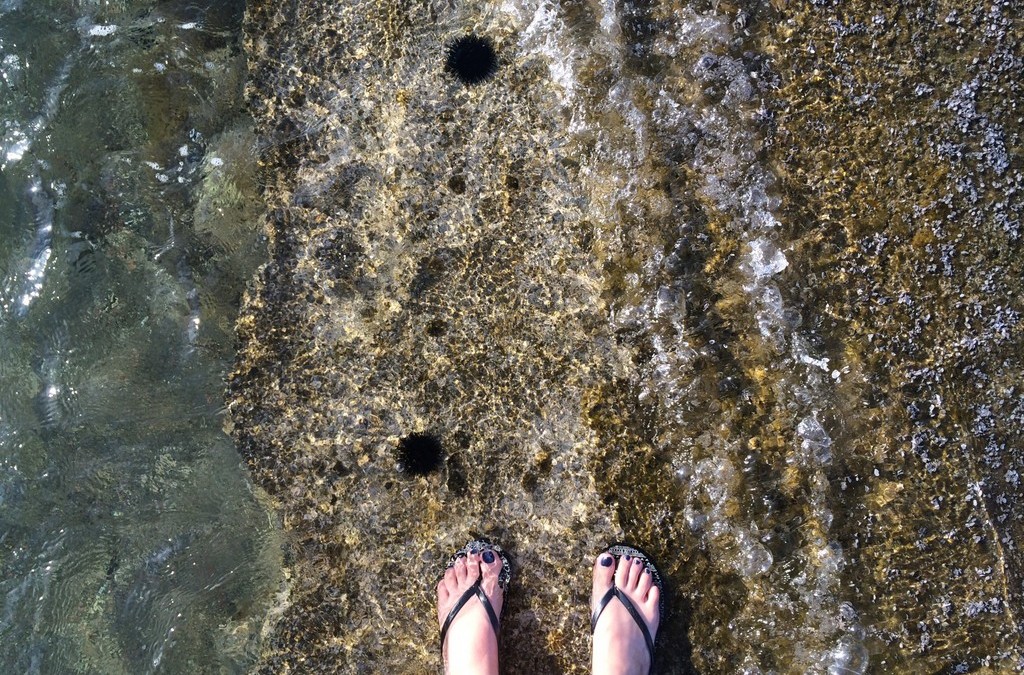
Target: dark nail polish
636,561
488,557
606,561
628,557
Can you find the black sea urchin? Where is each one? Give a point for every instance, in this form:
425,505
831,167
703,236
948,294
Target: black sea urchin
471,59
419,454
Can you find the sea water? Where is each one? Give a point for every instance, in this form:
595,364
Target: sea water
130,540
737,281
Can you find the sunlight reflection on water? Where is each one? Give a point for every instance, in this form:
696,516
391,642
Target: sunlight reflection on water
130,539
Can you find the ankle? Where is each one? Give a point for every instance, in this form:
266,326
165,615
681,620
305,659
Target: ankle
474,654
473,661
617,655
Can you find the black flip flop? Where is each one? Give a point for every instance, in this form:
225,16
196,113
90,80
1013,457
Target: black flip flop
617,551
504,577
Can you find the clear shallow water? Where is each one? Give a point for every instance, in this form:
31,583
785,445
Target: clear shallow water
130,540
737,281
712,277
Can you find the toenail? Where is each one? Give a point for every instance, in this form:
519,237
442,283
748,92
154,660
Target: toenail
627,557
606,561
488,557
636,561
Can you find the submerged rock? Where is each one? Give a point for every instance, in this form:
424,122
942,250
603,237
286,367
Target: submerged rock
716,280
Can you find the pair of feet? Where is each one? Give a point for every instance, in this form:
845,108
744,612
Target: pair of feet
619,646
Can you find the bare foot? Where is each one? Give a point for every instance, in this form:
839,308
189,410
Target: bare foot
471,645
619,645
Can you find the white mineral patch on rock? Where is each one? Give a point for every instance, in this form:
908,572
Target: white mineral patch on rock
102,30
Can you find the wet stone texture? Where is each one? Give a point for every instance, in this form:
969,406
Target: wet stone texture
737,282
903,183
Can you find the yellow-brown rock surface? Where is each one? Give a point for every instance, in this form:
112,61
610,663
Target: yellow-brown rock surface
733,282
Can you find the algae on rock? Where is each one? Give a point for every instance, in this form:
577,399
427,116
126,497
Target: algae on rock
632,285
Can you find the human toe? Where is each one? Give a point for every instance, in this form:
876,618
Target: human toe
653,599
472,569
622,564
636,570
461,570
604,570
644,583
450,580
490,564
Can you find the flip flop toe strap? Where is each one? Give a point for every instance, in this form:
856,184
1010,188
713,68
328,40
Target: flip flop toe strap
476,590
614,592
